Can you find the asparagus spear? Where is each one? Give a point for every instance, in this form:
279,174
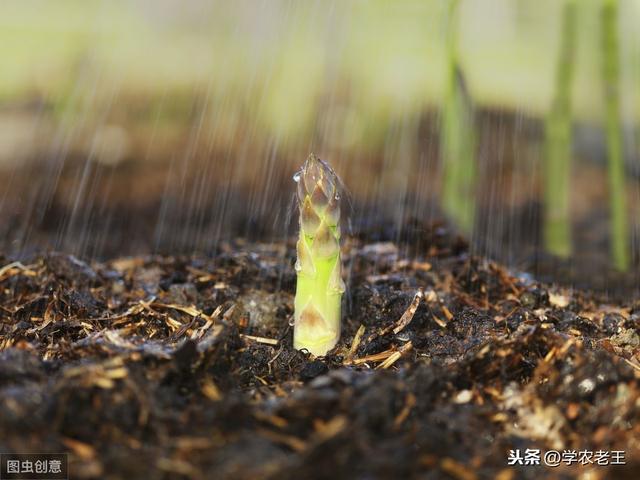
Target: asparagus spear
319,287
559,137
457,135
615,160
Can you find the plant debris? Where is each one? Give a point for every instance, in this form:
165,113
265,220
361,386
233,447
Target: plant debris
183,367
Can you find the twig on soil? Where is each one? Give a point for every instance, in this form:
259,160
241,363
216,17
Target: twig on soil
324,430
199,333
432,297
355,344
329,429
549,356
406,410
375,357
211,390
439,321
270,362
184,329
114,338
81,449
634,365
394,357
191,311
99,375
447,312
408,315
264,340
415,265
19,268
201,275
273,420
227,315
134,310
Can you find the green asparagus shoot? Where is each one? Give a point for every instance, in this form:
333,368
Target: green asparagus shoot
458,137
615,159
559,137
319,284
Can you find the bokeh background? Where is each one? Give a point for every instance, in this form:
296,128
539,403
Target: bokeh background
164,126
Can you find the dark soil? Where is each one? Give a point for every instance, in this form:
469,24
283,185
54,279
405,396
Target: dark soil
183,367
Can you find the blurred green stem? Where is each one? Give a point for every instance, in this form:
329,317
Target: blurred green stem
457,136
616,173
558,137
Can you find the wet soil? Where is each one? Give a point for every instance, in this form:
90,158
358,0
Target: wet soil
162,367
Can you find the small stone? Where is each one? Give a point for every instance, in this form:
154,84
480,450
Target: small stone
464,396
586,386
